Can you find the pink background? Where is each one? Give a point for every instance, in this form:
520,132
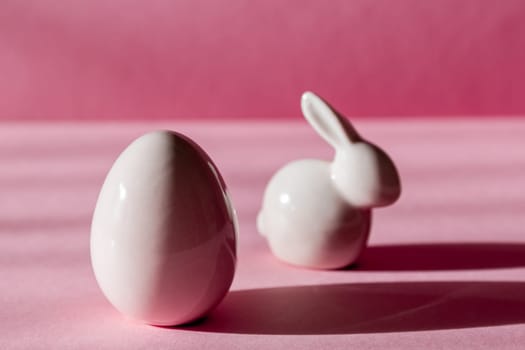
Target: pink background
131,59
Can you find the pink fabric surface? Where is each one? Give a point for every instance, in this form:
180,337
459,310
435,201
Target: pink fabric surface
124,59
445,267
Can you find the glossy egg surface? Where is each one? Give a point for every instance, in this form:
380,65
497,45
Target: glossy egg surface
163,236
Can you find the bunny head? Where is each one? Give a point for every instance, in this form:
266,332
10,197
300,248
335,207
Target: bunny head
362,173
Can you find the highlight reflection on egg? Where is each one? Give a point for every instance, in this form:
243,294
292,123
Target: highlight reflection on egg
163,236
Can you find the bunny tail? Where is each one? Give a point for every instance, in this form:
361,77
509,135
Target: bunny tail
260,225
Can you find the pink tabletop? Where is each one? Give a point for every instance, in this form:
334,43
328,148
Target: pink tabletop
445,267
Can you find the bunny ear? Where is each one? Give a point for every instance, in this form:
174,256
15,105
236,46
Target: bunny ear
325,120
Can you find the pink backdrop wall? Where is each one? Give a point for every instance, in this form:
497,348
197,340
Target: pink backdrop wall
130,59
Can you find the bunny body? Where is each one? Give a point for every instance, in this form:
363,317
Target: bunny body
307,222
317,214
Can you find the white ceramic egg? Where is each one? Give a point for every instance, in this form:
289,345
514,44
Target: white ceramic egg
163,236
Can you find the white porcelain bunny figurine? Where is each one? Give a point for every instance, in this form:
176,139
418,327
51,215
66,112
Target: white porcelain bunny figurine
317,214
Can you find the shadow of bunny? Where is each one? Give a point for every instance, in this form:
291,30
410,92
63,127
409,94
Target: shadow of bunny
441,256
